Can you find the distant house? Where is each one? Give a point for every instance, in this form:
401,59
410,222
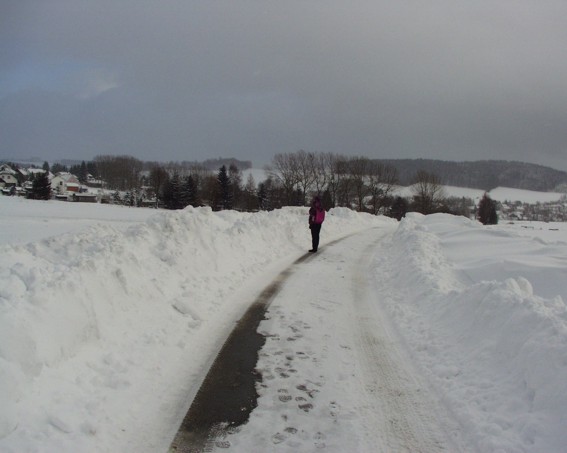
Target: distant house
21,179
92,182
8,176
64,182
7,181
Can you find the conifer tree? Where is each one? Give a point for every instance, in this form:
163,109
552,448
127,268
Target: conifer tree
327,200
263,201
83,173
92,170
399,208
190,192
224,189
487,214
41,187
172,193
130,198
116,197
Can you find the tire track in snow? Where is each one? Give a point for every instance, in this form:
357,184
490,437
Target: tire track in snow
400,406
393,396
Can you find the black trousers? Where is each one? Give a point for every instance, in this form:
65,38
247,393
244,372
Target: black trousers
315,231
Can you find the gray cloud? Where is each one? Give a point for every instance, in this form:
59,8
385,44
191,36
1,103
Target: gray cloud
455,80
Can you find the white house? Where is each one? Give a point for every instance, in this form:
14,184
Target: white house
7,176
64,182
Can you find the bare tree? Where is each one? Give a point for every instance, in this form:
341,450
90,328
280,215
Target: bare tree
306,172
359,170
381,181
158,178
323,171
352,182
250,200
428,192
209,189
284,172
119,172
235,179
331,164
344,182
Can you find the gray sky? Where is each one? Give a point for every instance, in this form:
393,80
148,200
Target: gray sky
194,79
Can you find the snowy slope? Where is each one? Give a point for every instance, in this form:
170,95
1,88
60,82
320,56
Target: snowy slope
107,326
483,311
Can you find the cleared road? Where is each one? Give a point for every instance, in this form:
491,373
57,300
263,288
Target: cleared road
331,373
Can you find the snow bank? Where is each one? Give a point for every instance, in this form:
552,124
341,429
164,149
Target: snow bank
496,348
100,327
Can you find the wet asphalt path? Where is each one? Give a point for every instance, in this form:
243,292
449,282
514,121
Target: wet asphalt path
218,407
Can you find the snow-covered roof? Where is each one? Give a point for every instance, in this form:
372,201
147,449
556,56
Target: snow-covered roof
34,171
7,169
66,176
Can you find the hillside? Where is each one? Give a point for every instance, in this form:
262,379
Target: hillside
484,175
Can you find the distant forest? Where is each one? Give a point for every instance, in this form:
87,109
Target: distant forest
484,175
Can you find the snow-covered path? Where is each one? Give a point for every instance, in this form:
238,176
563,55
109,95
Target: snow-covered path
335,375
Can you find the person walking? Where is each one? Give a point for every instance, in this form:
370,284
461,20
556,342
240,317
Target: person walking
316,218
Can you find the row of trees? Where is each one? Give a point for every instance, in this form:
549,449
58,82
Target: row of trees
196,187
291,179
357,182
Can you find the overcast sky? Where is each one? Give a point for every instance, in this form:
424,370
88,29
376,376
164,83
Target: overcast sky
194,79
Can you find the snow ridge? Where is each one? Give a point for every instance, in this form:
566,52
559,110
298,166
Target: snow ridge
496,349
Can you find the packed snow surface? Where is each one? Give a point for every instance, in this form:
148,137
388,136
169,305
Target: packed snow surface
111,316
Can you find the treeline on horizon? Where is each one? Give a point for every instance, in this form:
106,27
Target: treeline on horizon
291,179
484,175
356,182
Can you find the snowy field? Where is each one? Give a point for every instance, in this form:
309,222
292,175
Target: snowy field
501,194
110,317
